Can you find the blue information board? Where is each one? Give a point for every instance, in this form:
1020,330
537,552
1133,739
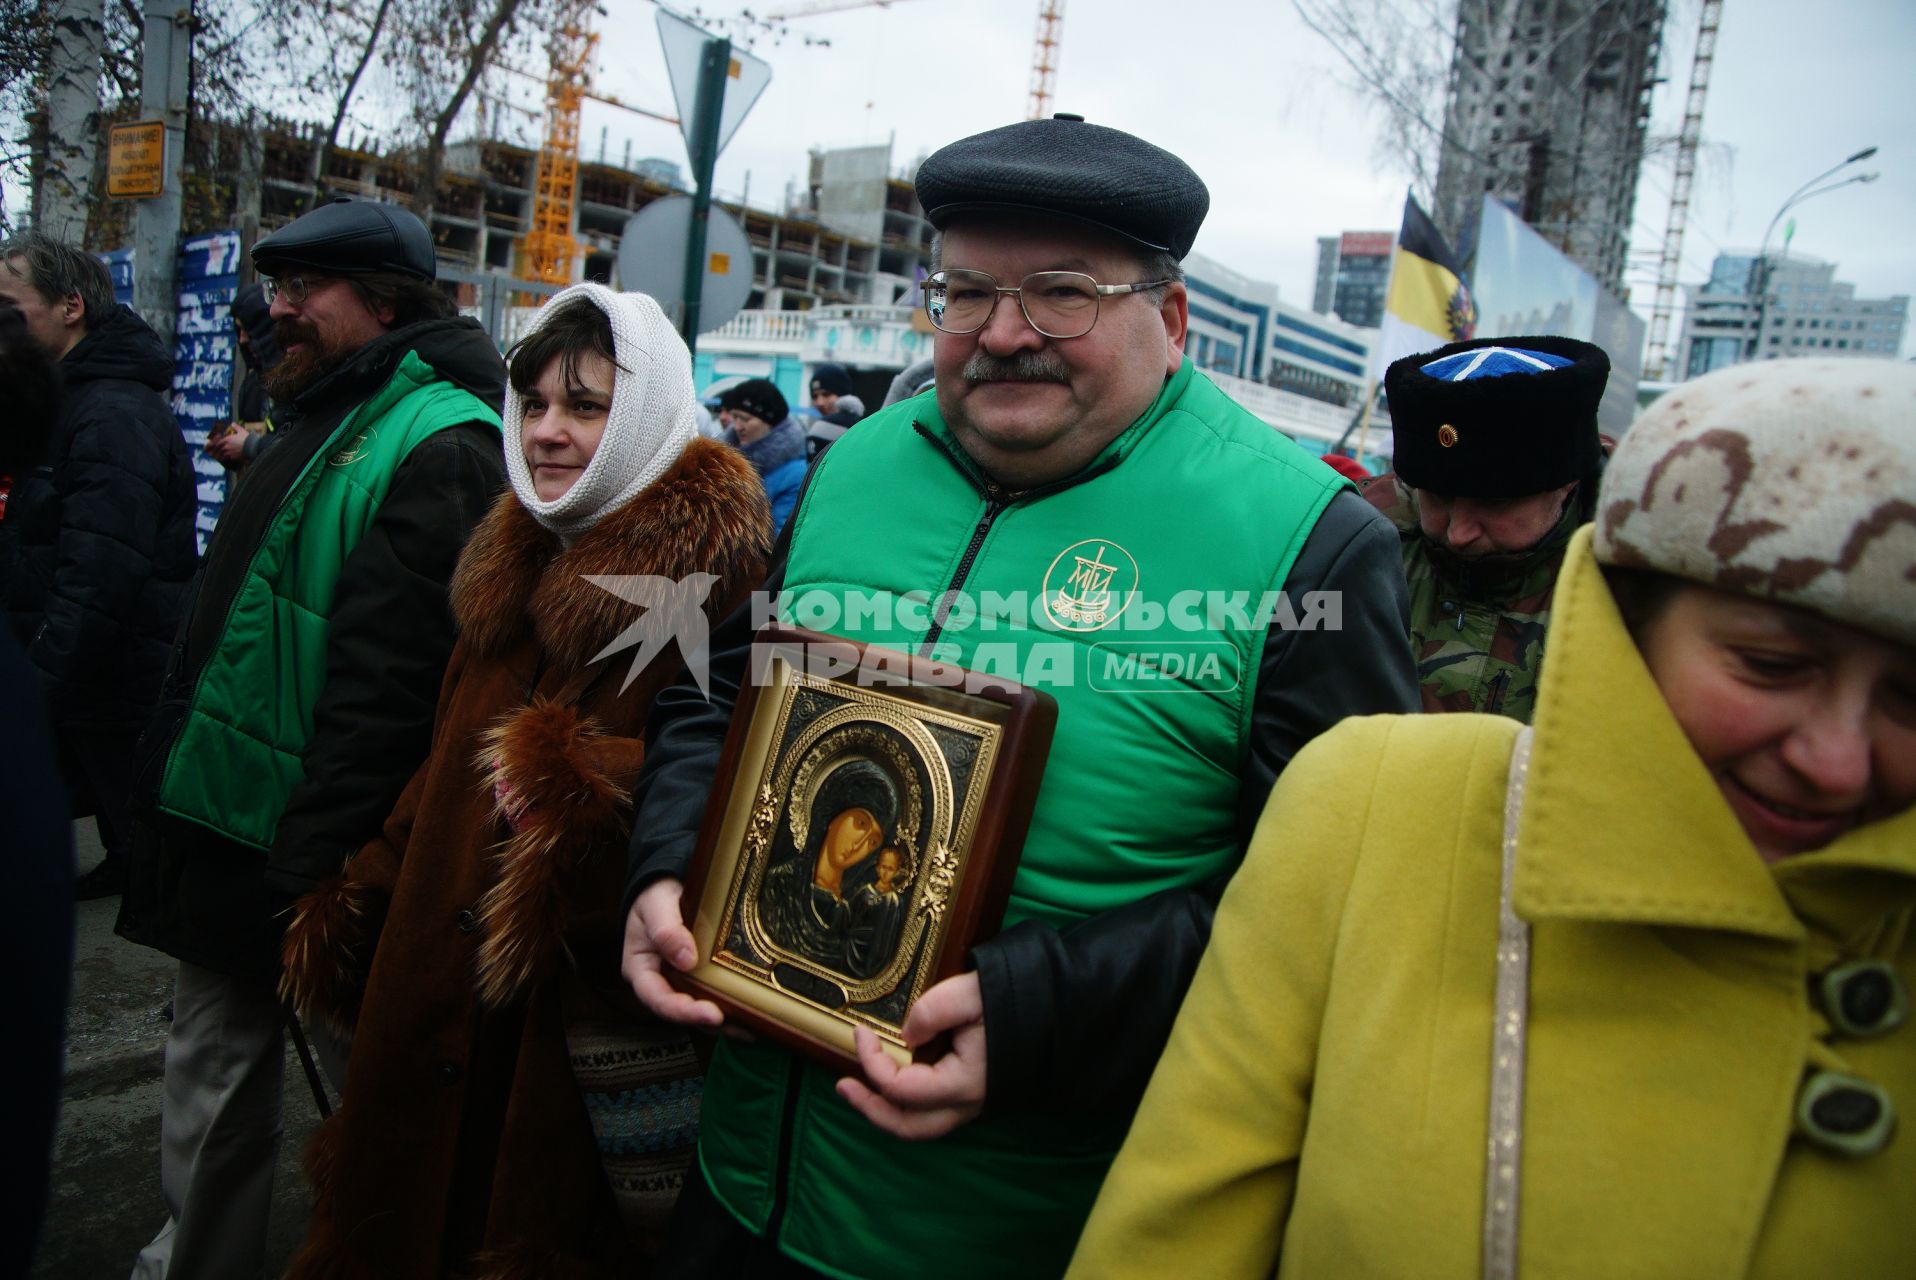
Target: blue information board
202,352
203,359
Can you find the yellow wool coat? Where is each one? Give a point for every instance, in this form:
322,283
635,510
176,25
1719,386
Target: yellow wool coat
1320,1110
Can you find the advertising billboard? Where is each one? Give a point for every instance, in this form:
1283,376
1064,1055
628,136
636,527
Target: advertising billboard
1525,285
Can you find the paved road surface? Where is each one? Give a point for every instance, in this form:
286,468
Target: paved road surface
106,1163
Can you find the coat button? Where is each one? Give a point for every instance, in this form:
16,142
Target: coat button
1863,999
449,1073
1846,1115
466,921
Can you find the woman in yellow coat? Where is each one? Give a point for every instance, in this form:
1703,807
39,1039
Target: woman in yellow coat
1654,1026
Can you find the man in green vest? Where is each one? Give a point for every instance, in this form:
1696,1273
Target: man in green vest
301,693
1066,428
1495,457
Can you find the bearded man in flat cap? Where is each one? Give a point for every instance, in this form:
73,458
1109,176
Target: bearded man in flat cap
1496,458
1066,429
301,695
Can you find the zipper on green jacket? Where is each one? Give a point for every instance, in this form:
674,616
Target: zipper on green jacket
995,505
997,501
787,1122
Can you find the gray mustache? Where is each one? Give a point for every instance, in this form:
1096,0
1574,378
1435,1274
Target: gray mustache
1025,366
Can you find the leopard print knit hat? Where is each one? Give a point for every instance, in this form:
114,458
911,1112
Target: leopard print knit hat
1791,480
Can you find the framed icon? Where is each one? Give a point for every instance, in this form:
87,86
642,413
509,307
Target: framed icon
862,835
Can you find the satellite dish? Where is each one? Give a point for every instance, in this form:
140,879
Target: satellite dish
652,260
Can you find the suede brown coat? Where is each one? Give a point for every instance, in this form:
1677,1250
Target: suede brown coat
454,946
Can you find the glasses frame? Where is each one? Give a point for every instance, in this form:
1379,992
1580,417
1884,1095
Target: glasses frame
295,288
1099,293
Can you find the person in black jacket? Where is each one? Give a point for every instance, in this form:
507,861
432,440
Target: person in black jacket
36,876
254,413
301,693
100,531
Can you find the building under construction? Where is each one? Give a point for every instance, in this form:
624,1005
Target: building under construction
1548,107
485,211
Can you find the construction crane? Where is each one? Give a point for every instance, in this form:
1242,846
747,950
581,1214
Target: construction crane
550,249
1044,58
1687,139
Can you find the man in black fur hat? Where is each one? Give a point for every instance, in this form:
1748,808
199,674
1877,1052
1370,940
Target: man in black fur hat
1497,456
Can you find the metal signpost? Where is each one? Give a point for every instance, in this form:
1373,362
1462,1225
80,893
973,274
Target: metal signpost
722,85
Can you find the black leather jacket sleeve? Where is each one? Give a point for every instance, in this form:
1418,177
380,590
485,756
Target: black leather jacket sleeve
391,635
684,736
1075,1019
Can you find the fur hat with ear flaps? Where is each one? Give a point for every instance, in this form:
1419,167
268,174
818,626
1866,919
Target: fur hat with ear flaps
1497,417
653,415
1792,481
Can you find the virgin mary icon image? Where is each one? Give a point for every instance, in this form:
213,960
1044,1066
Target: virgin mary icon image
864,837
824,902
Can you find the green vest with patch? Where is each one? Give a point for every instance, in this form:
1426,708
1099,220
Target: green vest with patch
1138,594
250,714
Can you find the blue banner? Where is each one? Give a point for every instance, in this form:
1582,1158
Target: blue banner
203,353
203,358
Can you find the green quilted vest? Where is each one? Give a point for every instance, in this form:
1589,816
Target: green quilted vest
251,710
1138,594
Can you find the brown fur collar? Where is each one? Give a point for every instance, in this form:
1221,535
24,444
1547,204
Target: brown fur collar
706,514
575,784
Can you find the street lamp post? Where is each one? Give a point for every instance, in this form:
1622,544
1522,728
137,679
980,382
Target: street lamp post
1796,197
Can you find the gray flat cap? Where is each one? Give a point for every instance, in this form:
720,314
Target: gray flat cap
1069,169
351,238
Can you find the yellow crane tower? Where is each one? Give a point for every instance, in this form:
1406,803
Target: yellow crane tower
550,249
1044,58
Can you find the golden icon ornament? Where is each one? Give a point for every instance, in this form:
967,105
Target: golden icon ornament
1447,435
862,835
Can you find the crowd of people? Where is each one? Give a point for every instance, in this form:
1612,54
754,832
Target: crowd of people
1548,910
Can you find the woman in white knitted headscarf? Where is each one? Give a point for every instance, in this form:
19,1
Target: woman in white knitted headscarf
1625,995
510,1111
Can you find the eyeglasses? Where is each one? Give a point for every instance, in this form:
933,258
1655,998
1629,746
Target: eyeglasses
295,289
1058,304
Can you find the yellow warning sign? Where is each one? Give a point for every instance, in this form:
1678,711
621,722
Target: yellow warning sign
136,160
721,264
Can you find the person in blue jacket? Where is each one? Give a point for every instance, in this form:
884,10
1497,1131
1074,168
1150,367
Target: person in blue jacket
772,441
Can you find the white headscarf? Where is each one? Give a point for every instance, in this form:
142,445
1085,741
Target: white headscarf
652,418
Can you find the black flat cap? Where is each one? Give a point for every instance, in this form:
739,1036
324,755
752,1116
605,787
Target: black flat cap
1497,417
350,238
1070,169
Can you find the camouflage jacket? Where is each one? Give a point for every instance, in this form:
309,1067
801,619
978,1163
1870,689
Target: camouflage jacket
1476,626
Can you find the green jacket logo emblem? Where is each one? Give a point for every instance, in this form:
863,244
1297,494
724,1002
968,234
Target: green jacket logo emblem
1089,584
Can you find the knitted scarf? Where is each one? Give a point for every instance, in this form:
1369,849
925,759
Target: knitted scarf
653,415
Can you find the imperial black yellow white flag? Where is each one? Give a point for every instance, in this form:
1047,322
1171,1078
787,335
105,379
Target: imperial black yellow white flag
1428,303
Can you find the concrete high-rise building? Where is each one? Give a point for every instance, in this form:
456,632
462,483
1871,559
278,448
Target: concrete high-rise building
855,191
1548,105
1353,276
1808,312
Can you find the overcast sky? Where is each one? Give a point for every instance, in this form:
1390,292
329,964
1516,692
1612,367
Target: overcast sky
1258,105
